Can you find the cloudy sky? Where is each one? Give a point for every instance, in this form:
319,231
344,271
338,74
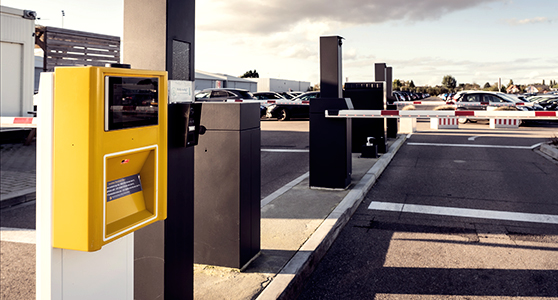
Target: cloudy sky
423,40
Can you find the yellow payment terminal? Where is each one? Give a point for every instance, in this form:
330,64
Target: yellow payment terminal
110,154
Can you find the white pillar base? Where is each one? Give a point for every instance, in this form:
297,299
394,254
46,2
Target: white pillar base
407,125
444,123
504,123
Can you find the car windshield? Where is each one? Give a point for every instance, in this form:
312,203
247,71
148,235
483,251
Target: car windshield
202,95
246,95
307,96
510,98
287,96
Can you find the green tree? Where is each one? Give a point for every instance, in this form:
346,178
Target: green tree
486,86
411,84
251,74
396,85
449,82
510,83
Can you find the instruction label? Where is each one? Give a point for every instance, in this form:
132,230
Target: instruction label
123,187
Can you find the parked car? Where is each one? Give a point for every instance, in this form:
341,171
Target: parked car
480,100
269,96
551,104
228,95
289,95
297,108
224,95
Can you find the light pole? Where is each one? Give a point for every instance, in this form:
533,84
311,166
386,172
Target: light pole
63,14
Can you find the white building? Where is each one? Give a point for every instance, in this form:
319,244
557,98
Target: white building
205,80
281,85
17,42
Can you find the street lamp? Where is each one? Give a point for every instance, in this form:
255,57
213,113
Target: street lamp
63,14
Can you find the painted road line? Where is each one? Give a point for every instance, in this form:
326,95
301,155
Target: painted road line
464,212
473,137
265,201
476,146
286,150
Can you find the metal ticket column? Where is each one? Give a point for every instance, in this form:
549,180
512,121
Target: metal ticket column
330,139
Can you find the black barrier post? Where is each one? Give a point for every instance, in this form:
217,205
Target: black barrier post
391,123
179,225
330,139
367,95
227,210
159,35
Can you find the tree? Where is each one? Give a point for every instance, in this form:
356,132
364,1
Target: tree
411,84
251,74
486,86
396,85
449,82
511,83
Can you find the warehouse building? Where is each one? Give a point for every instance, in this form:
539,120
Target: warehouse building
281,85
205,80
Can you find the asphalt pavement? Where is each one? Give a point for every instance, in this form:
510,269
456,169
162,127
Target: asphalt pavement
458,214
385,252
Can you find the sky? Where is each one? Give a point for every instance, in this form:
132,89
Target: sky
475,41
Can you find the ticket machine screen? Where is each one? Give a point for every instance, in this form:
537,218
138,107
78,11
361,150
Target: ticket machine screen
131,102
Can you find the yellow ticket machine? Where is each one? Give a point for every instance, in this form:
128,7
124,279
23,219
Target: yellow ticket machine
110,154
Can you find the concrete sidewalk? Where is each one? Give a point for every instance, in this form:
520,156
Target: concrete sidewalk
297,228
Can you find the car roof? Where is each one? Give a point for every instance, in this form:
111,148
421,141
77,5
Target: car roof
224,89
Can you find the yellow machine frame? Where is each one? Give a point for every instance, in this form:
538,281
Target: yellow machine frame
91,162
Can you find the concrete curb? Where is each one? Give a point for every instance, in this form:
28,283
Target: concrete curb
18,197
288,283
550,151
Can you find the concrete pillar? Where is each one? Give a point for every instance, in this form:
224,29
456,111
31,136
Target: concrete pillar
159,35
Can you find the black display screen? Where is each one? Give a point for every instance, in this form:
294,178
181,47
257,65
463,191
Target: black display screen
131,102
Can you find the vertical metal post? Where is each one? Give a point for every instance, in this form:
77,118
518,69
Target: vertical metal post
391,123
179,225
159,35
330,139
331,74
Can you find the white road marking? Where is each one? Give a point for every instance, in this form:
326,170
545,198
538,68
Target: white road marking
286,150
476,146
473,137
464,212
536,145
17,235
265,201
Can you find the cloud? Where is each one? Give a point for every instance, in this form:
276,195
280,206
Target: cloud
528,21
265,17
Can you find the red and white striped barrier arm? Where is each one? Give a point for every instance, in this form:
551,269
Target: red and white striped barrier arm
305,102
463,103
481,114
18,122
494,104
273,102
419,103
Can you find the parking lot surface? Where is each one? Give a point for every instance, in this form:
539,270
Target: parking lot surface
458,214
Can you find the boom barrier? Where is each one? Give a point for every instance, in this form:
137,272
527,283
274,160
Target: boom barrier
480,114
